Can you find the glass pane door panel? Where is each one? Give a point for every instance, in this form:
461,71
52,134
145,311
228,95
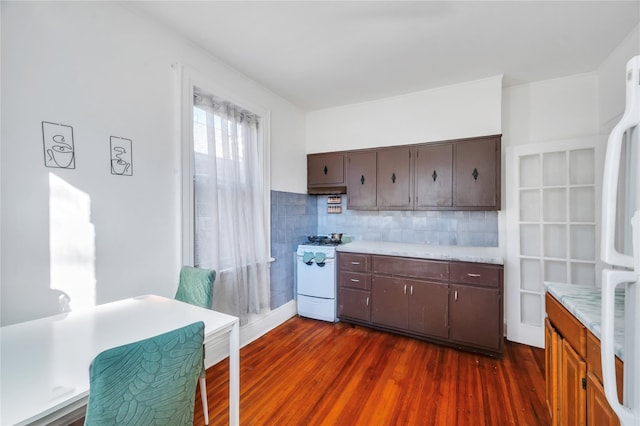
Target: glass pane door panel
555,271
530,309
581,166
554,209
583,242
582,202
530,274
583,274
530,240
530,171
554,169
555,241
530,205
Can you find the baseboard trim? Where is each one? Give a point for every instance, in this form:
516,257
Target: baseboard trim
257,326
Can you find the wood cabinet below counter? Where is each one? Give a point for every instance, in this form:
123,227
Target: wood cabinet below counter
573,373
454,303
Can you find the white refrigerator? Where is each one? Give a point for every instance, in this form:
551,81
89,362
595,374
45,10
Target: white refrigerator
620,245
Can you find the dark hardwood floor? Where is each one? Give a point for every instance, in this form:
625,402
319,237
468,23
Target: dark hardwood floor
308,372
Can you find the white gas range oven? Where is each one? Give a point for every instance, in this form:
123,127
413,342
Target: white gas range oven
316,276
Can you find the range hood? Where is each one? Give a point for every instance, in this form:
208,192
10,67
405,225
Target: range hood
327,190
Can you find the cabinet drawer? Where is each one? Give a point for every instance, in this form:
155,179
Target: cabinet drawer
567,325
359,280
407,267
475,273
354,262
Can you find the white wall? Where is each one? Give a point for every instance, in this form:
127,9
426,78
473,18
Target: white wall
611,81
456,111
555,109
105,70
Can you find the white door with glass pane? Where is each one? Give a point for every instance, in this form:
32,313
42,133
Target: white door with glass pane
552,217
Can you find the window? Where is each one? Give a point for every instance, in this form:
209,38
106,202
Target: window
229,209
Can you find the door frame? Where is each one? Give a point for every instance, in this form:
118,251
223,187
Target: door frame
518,331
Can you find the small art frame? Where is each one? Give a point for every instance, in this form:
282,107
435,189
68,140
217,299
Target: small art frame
58,148
121,156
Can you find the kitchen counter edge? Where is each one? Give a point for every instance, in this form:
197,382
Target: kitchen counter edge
422,251
584,303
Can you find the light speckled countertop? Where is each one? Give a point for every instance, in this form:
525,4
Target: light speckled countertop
584,303
423,251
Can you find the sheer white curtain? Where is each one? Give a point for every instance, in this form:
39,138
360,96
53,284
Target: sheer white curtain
230,226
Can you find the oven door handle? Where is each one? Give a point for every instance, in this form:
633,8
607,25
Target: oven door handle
327,260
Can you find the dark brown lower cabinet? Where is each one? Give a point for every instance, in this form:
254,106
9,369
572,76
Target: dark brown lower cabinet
428,308
473,317
354,304
390,302
418,306
466,313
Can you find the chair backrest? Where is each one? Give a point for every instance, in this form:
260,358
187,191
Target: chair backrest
196,286
152,381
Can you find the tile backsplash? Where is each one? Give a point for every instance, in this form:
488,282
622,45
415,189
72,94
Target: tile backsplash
461,228
296,216
293,218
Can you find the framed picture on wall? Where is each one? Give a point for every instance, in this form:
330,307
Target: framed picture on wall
57,141
121,156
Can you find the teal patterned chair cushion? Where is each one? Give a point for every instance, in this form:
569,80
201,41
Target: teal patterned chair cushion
150,382
196,286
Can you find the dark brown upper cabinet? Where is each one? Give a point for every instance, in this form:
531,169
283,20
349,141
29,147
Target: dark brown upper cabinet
394,189
361,180
326,173
461,174
434,176
477,174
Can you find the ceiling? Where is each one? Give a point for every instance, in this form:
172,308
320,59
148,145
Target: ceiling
320,54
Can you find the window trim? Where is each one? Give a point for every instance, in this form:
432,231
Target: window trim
187,80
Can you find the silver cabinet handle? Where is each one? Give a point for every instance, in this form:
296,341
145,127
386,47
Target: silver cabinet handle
355,263
353,280
455,295
412,289
473,275
367,300
405,289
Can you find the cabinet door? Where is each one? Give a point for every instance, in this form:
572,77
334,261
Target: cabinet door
361,180
428,308
573,405
434,176
389,302
599,412
354,304
394,178
476,173
552,370
474,316
325,169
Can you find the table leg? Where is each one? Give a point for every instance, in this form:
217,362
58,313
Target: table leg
234,375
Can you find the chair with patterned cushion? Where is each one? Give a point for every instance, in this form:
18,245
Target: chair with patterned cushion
152,381
196,288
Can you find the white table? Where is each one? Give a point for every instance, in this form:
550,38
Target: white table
44,363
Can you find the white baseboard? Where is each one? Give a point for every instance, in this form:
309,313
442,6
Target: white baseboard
258,325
